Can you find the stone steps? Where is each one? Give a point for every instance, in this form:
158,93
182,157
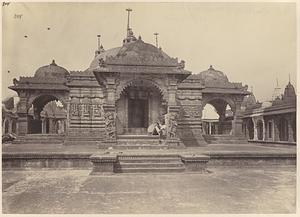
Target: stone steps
139,142
149,164
153,170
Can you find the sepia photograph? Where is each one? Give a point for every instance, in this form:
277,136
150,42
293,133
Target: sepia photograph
149,107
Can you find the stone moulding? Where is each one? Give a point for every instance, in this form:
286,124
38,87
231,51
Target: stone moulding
195,162
103,163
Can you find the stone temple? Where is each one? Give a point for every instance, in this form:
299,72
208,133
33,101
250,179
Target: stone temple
126,89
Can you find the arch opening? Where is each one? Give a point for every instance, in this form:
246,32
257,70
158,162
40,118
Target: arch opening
47,115
140,105
217,117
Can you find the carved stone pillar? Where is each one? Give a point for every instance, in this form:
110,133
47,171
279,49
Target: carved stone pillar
110,126
171,126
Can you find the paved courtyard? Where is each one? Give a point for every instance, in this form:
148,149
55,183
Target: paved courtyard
223,190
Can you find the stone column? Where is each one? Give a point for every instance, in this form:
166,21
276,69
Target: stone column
264,129
43,126
290,130
22,116
254,129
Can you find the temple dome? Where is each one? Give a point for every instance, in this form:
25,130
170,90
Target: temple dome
137,50
51,71
211,75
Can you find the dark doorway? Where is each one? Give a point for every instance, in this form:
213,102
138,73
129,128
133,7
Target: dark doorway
283,130
137,113
260,131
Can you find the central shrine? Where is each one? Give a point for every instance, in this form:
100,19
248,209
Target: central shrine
125,90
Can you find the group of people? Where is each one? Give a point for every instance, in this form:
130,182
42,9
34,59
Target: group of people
157,129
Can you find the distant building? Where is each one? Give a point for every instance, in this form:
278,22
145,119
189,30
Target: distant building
273,121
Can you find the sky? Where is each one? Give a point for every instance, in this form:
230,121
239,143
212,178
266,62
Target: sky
252,43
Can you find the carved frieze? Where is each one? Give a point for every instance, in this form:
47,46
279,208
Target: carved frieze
86,109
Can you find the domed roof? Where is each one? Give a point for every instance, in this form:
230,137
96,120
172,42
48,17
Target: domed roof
135,51
51,71
212,76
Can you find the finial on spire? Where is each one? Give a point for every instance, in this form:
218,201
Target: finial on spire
289,78
53,63
100,47
98,36
156,40
128,12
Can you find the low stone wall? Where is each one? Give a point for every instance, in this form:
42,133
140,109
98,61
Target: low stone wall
251,159
49,160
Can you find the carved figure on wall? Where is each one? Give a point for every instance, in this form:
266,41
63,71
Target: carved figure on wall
171,125
110,125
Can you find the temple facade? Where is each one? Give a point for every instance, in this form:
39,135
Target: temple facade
128,88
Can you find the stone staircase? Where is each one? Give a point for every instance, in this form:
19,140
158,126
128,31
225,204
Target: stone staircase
140,142
225,139
149,164
40,139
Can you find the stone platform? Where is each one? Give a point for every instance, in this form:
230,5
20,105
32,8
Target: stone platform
30,156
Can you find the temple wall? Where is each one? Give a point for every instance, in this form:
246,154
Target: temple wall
85,112
189,122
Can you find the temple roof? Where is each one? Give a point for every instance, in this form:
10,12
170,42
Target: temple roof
134,53
51,71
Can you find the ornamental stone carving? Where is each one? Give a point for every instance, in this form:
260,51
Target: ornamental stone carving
171,125
86,109
110,125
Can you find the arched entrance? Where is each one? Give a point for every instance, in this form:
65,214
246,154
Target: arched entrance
44,113
140,105
223,114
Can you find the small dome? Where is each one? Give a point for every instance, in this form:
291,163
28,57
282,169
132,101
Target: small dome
51,71
211,76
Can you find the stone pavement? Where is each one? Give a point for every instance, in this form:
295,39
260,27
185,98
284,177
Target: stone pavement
223,190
